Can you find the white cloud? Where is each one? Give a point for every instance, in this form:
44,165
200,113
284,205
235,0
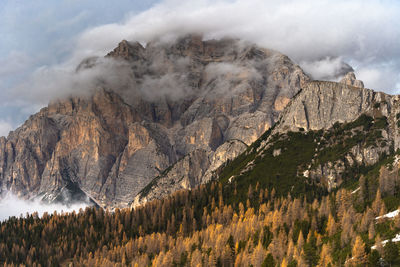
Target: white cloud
48,83
5,128
11,205
318,34
362,31
326,69
14,63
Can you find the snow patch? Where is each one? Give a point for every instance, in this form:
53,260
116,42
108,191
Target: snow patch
395,239
396,160
355,191
389,215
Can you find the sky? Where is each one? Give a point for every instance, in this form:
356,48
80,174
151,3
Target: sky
40,34
43,40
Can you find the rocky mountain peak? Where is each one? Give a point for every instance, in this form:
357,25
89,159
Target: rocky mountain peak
350,79
176,113
128,51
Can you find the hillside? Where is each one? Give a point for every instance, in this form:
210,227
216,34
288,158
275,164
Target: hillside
313,182
314,194
209,226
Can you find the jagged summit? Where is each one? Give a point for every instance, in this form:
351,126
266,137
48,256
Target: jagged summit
350,79
127,50
189,103
178,112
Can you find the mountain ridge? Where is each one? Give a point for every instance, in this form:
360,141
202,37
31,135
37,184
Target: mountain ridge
175,100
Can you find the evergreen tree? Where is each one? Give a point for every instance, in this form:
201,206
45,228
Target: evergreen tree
390,252
358,252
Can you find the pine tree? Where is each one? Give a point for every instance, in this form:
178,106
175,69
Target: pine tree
196,259
371,231
284,263
300,241
325,257
363,189
331,226
377,204
390,252
258,255
358,252
268,261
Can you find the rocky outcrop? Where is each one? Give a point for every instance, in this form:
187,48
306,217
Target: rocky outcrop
190,104
321,104
350,79
196,168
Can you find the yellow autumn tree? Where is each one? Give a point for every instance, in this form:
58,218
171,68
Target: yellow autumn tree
331,227
358,252
284,263
325,256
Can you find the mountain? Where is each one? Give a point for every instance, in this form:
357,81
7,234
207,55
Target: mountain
273,205
179,108
274,170
327,136
326,133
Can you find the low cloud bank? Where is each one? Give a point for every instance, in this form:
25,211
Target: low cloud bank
11,205
325,33
319,35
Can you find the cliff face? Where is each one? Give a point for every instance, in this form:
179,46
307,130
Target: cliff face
321,104
191,105
328,133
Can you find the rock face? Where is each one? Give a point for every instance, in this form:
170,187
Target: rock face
327,134
350,79
321,104
177,112
196,168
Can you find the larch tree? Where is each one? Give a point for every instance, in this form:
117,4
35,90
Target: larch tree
371,231
377,204
325,257
258,255
359,256
331,227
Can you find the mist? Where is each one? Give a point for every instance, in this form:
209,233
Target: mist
5,127
12,205
321,36
362,33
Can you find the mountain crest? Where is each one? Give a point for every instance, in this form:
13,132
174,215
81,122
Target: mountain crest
127,51
181,110
350,79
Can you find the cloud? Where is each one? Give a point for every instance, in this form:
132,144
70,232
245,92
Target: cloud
41,34
231,78
327,68
50,83
14,63
5,127
364,32
320,35
11,205
380,77
215,70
